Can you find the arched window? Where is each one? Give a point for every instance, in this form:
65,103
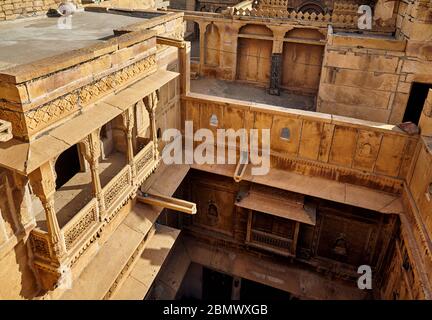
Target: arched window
212,210
214,120
285,133
67,166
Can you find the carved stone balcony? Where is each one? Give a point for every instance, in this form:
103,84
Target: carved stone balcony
80,231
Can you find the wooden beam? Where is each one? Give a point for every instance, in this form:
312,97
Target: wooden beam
170,42
168,202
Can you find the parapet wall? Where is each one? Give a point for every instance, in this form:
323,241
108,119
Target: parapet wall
347,150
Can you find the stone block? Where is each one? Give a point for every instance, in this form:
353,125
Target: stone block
354,96
361,62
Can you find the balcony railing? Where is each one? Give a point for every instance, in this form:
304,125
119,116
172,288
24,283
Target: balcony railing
85,221
80,231
271,242
119,186
143,162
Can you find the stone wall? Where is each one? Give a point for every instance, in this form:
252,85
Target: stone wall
371,79
370,154
16,220
414,18
361,78
14,9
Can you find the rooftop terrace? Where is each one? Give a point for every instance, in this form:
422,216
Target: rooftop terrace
27,40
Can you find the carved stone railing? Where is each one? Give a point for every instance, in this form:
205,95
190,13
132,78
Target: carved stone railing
343,8
275,4
81,224
335,19
117,188
271,242
248,4
144,162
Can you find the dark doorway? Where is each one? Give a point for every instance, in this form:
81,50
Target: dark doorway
67,166
251,290
417,98
216,285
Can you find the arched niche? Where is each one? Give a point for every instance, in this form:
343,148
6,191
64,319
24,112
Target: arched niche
254,54
311,7
212,45
256,29
302,57
304,33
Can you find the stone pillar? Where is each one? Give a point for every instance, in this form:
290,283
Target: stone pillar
128,125
151,102
91,149
230,48
202,29
184,58
275,74
276,62
43,182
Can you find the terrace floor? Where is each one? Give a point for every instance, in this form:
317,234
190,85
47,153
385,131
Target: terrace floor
31,39
246,92
77,192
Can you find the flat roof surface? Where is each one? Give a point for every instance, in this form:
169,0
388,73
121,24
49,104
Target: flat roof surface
26,40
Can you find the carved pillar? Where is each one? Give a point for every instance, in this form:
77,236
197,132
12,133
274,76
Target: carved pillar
151,102
275,74
128,125
43,182
91,149
184,57
202,29
276,62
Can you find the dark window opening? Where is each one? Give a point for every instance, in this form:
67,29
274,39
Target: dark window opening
67,166
216,285
417,98
251,290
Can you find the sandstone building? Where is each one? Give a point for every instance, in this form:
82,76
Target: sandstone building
90,209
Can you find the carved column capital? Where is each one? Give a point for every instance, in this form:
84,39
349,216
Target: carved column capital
128,120
43,181
91,147
151,101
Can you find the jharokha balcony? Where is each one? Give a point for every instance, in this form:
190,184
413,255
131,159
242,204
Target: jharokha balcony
81,210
